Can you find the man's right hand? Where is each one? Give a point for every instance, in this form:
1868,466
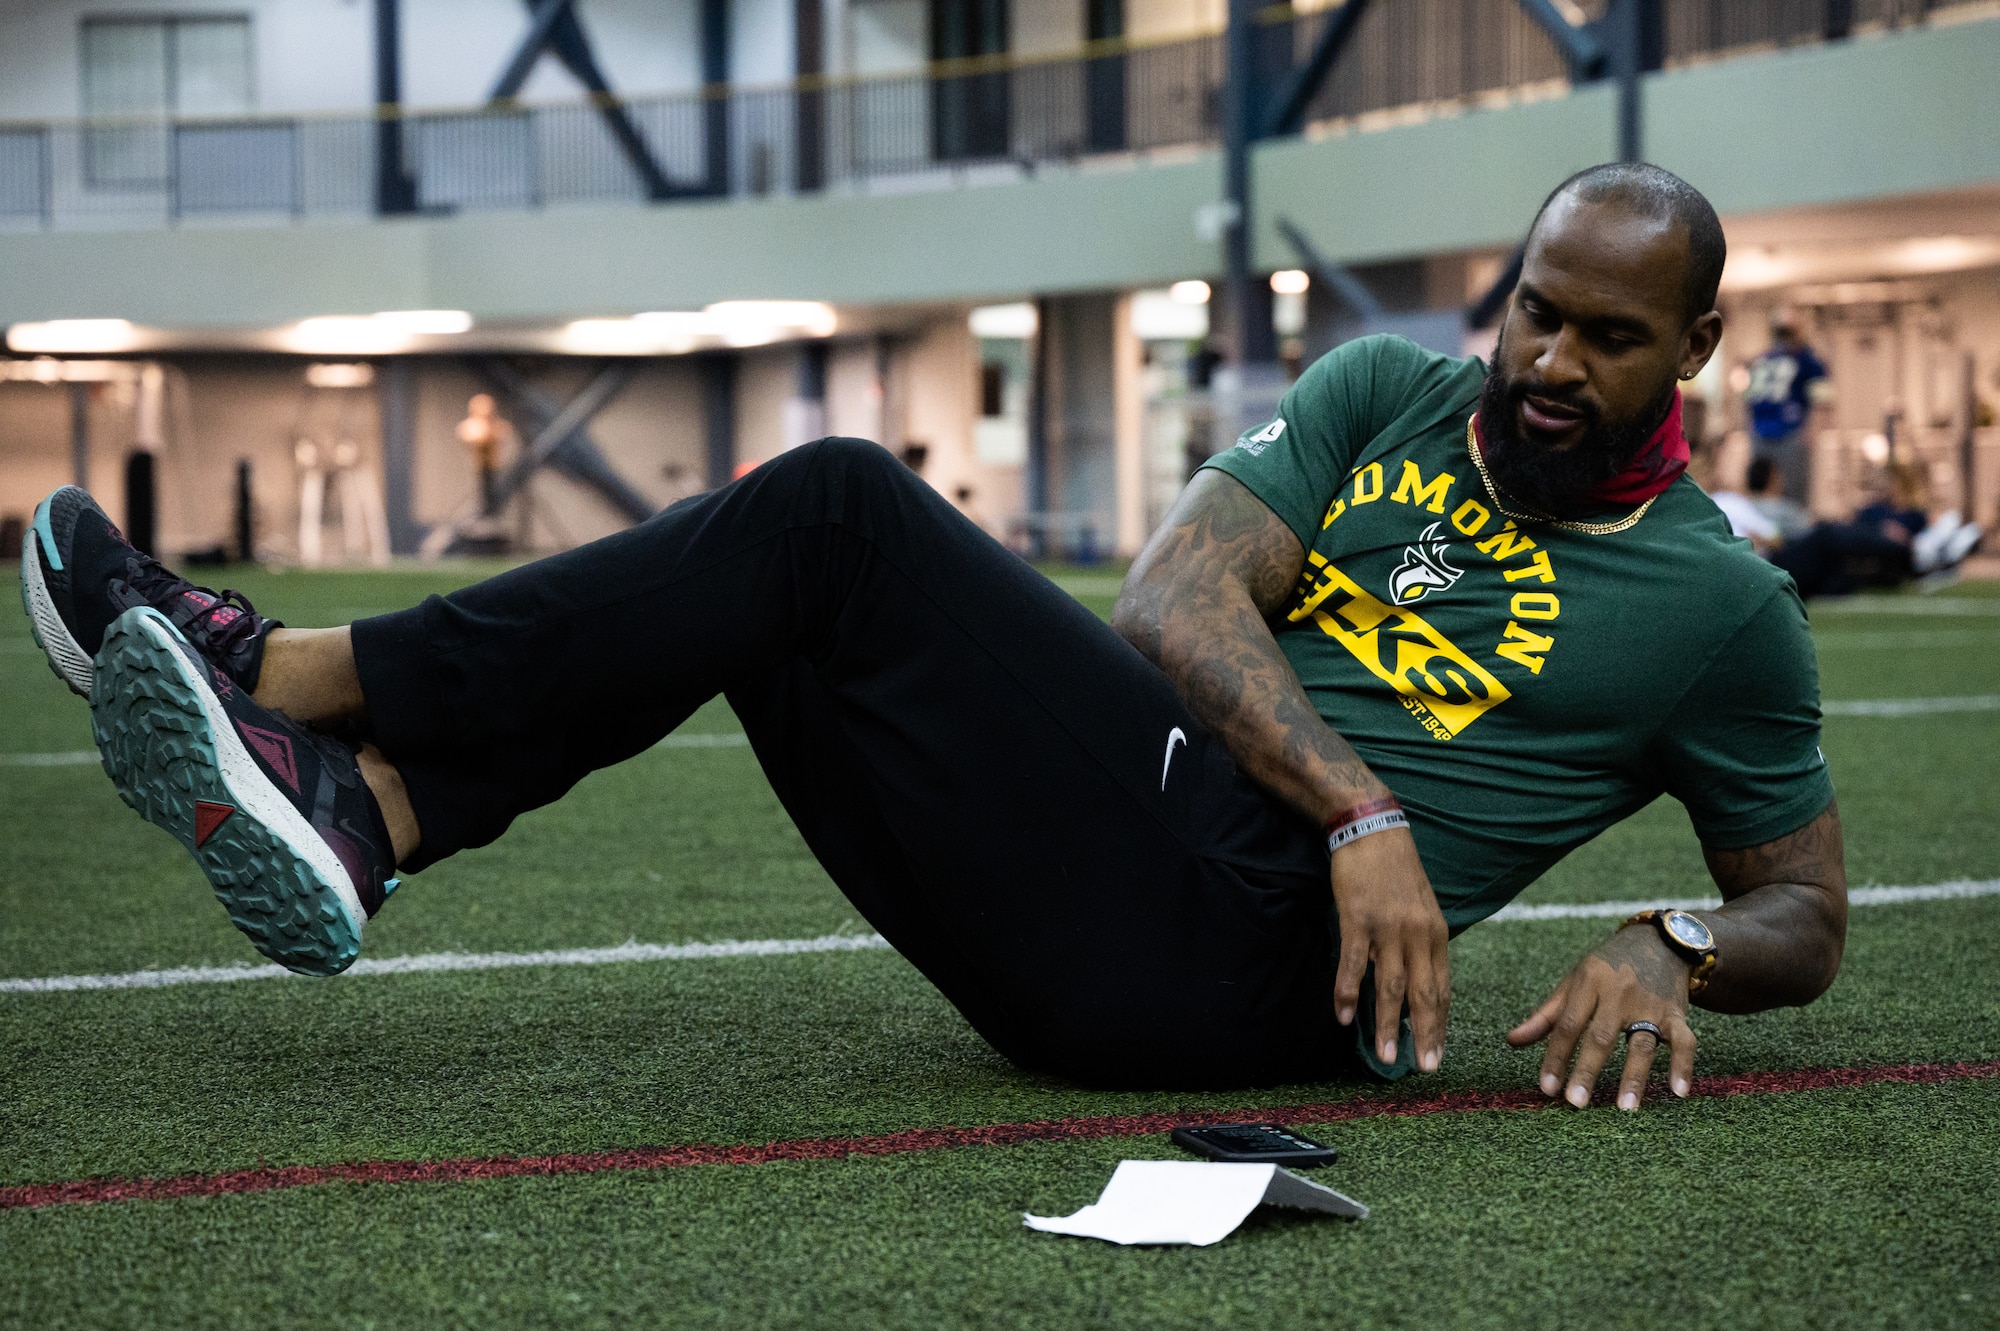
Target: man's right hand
1390,916
1199,603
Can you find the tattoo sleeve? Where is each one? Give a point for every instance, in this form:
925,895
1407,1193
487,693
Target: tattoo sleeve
1197,603
1783,925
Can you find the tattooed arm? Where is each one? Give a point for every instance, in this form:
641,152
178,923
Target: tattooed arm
1197,604
1780,934
1778,941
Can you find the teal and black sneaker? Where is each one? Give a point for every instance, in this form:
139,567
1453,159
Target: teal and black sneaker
78,573
276,815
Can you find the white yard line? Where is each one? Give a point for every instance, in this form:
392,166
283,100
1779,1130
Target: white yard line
726,739
784,947
1858,896
1909,605
1985,702
74,758
460,961
736,739
1861,640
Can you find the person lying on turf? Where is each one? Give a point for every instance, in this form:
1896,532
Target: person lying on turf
1418,637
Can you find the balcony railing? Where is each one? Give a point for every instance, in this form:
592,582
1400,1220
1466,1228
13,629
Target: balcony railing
949,122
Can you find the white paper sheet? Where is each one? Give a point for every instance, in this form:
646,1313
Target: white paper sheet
1190,1201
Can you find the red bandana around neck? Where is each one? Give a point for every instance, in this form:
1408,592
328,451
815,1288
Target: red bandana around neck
1656,466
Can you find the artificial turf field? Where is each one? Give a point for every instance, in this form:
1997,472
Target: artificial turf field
1862,1205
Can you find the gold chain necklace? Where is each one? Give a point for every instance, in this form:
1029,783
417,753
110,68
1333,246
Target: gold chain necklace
1625,523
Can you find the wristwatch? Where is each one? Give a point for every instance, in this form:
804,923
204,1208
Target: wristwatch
1688,937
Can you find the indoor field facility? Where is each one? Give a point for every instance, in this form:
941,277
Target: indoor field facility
417,406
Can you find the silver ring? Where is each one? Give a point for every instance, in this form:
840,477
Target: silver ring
1648,1027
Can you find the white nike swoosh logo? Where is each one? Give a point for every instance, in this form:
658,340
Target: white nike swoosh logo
1174,737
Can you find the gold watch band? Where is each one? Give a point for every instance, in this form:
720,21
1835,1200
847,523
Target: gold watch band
1699,969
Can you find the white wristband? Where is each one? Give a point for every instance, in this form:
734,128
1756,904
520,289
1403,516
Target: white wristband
1361,827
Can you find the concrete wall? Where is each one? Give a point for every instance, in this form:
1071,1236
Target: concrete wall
917,389
318,55
1913,111
222,409
309,55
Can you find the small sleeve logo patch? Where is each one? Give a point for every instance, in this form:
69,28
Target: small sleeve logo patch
1254,442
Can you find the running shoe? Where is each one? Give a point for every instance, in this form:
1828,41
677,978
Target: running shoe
78,573
1959,546
276,815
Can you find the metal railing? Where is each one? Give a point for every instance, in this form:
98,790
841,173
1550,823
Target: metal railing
992,115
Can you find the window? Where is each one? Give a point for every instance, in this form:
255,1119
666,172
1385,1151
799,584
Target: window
144,71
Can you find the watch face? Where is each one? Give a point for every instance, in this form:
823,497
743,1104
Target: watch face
1688,931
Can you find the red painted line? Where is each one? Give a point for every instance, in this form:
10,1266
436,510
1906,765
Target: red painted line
81,1191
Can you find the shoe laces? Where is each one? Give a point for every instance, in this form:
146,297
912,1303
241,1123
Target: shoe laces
227,622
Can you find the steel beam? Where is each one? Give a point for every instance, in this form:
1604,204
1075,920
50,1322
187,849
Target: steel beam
715,93
396,402
561,436
1487,308
1334,276
1578,46
1238,116
1286,110
809,101
395,189
1038,426
719,411
554,27
79,434
542,15
1634,28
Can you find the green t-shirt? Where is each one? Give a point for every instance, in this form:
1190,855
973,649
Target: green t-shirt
1521,689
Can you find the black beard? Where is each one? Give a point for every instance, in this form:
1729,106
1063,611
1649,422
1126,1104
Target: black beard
1542,480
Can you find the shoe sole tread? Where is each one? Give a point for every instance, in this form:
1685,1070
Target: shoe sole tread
66,657
160,750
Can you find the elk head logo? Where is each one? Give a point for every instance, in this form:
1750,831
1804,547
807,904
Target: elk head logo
1423,568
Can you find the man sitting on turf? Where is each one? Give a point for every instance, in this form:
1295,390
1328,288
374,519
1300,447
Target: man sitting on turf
1428,630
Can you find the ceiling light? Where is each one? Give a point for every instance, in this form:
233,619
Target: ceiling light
1290,282
608,337
677,323
349,374
48,370
1014,320
60,337
344,335
1158,317
811,317
426,323
1193,292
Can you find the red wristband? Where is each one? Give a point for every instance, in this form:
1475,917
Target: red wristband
1360,811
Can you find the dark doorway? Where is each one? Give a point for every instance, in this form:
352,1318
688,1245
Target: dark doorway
971,102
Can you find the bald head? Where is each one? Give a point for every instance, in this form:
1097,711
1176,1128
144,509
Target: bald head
1658,195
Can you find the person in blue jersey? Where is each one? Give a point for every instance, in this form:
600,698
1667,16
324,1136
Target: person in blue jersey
1786,382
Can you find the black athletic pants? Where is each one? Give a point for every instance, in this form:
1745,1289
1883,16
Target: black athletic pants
1000,784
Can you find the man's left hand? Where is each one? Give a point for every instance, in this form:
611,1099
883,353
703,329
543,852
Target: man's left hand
1632,976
